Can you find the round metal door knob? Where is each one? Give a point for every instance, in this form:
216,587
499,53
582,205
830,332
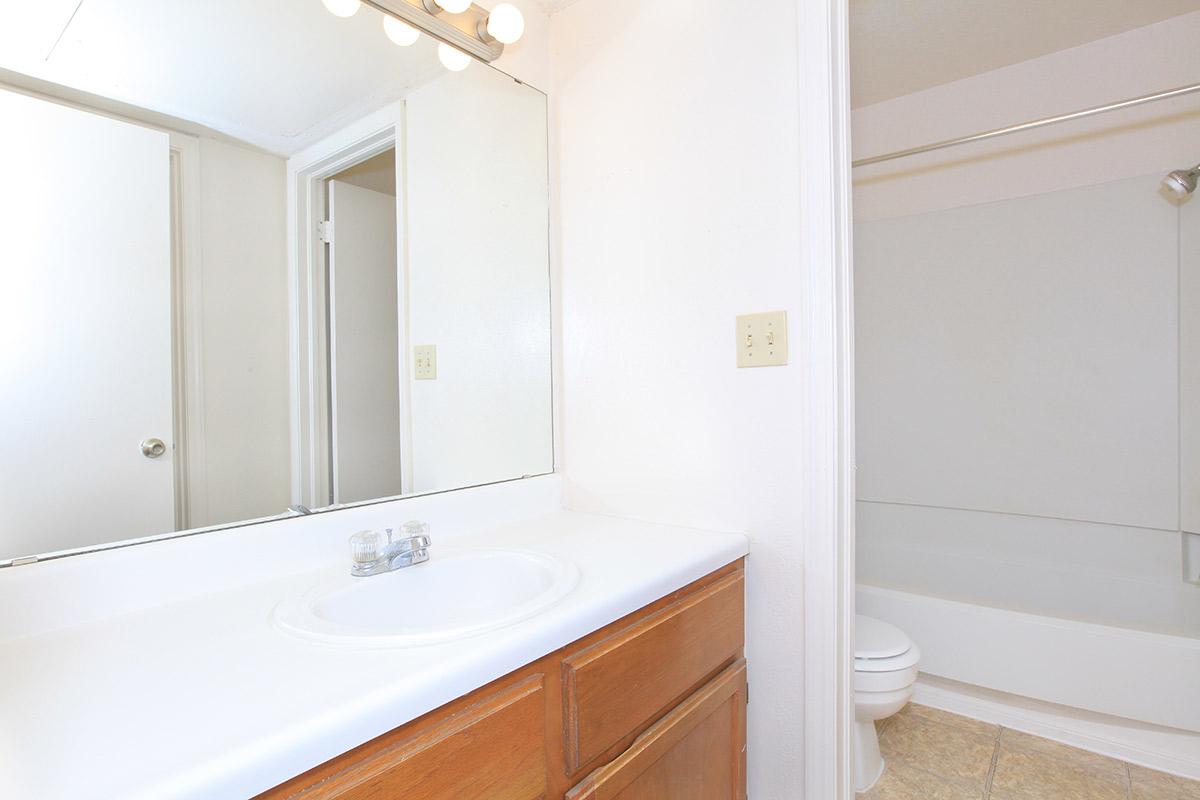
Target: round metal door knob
153,448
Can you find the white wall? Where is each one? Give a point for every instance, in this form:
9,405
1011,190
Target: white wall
245,334
677,150
478,279
1019,411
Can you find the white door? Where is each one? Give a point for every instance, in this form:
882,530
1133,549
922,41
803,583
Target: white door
85,328
364,343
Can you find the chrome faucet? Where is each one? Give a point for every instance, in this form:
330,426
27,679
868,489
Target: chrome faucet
375,552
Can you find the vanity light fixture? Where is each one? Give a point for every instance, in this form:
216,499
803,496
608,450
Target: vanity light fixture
453,6
465,30
452,58
342,8
399,32
504,23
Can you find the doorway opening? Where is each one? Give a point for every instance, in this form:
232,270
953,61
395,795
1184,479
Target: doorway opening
363,332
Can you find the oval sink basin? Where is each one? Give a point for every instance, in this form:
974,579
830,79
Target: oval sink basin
451,596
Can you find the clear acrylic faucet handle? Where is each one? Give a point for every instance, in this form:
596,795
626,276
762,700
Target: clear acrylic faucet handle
366,547
414,528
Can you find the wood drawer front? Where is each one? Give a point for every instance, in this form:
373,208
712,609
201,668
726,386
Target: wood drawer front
614,687
698,751
492,750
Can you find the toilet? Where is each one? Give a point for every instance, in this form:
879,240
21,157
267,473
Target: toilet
885,669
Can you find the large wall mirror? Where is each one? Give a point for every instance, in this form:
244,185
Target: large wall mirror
260,260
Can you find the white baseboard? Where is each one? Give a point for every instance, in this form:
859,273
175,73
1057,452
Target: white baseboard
1164,749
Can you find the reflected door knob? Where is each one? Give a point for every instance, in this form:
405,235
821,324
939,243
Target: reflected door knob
153,448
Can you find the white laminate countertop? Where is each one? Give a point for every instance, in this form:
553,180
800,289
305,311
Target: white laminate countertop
201,698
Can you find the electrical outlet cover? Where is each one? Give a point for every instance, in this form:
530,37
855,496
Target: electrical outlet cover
425,362
762,339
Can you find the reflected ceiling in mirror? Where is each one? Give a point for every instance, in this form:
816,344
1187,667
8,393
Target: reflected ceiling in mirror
276,74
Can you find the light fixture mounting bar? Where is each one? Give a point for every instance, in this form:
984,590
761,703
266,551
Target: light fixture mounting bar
456,30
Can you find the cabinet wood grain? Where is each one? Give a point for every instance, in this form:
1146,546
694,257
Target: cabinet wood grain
698,751
491,750
644,669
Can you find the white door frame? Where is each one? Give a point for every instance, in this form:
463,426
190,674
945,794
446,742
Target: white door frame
306,174
827,328
187,329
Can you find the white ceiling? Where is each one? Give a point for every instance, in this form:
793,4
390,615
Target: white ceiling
279,74
902,46
554,6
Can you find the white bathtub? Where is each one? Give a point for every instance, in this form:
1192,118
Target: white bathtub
1147,677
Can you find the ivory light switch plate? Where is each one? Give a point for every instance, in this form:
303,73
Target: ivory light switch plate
762,339
425,362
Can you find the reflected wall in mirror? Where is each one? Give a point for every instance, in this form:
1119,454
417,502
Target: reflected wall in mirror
261,257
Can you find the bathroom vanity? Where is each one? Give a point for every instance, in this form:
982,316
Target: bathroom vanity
167,671
653,704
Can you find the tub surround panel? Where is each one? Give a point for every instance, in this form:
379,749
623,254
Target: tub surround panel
1023,356
177,686
1085,571
1189,362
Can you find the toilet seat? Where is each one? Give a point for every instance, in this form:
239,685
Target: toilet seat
885,659
880,647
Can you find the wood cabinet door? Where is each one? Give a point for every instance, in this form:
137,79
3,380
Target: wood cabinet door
698,751
617,685
494,749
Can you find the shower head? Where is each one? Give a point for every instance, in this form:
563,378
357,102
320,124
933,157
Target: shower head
1182,182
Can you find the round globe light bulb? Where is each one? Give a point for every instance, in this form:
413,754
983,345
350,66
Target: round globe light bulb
452,58
342,8
399,32
505,23
454,6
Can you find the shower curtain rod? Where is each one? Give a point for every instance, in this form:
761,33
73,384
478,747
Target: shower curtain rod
1028,126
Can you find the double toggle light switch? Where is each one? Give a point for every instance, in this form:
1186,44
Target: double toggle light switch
762,339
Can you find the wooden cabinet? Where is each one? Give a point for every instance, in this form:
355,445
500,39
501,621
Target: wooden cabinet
651,707
697,752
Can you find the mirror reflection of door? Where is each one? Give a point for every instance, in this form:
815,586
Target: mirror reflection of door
86,318
364,333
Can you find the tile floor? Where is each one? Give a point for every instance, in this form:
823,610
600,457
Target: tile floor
933,755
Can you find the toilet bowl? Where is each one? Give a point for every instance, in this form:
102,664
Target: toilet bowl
885,670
